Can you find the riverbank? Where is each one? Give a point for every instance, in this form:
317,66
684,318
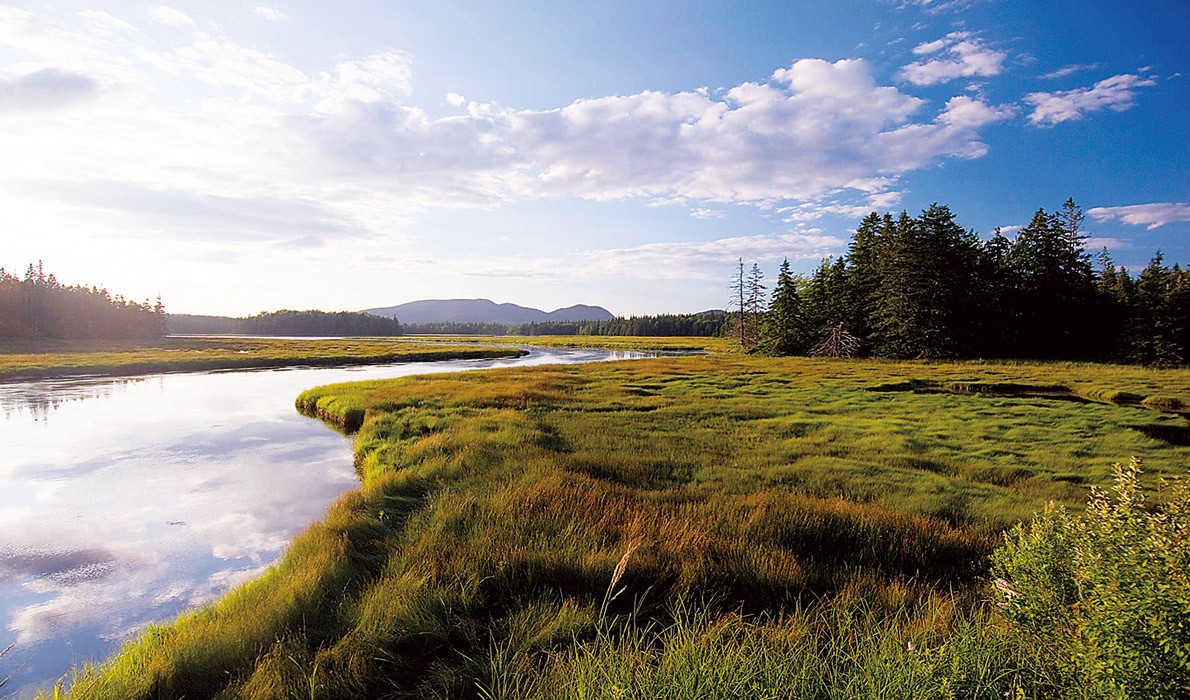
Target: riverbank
44,359
535,532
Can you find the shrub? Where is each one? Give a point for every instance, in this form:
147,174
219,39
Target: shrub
1106,593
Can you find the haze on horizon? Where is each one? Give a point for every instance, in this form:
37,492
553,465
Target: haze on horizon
235,157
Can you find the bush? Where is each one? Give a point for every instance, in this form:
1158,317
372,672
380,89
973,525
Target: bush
1105,593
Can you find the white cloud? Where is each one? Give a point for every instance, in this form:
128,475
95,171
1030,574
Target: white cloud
1068,70
704,213
258,155
934,7
454,99
1150,215
962,55
221,62
47,88
934,46
272,14
163,14
105,22
379,77
1117,93
1100,242
708,259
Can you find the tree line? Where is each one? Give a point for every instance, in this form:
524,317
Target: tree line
289,322
925,287
706,324
38,306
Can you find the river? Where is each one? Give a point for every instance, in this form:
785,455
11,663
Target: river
124,501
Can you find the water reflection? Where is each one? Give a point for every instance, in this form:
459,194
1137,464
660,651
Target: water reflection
39,399
124,501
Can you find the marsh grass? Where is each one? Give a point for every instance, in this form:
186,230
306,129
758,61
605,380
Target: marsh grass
628,529
23,359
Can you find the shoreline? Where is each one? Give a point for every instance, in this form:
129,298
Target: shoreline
21,361
134,369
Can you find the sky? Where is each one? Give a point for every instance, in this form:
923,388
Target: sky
235,157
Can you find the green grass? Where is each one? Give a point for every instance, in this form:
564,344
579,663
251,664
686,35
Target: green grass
23,359
625,529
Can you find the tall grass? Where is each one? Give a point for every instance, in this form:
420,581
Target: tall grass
720,526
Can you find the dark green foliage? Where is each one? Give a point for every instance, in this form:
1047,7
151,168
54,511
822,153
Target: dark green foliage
865,257
824,298
783,329
286,322
39,306
702,325
708,324
1056,298
1160,321
292,323
456,328
924,287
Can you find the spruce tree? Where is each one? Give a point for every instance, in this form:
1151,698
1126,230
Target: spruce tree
1057,299
783,330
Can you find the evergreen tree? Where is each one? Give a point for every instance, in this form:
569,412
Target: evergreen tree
864,258
1158,325
1115,293
783,331
823,299
996,310
925,299
1057,299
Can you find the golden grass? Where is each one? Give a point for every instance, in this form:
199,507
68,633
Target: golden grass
31,359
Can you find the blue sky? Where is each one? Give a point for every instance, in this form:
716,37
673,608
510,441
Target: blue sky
235,157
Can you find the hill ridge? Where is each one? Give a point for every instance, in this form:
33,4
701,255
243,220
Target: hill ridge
486,311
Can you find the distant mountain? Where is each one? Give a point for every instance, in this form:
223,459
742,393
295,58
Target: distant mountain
485,311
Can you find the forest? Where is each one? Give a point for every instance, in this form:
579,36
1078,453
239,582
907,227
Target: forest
702,325
39,306
925,287
288,322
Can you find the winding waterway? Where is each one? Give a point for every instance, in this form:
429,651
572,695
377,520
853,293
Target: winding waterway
125,501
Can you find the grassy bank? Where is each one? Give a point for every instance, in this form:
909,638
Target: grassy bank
715,526
35,359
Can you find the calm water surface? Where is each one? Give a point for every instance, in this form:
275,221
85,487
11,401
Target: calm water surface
125,501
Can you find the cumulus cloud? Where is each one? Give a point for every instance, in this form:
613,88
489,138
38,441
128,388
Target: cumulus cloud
47,88
960,55
1117,93
1149,215
265,152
